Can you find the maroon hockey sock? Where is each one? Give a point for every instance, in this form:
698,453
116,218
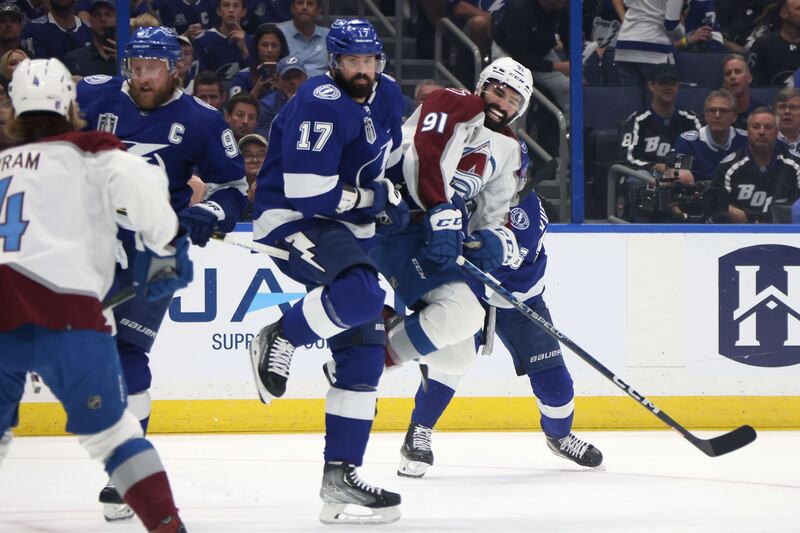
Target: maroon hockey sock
151,500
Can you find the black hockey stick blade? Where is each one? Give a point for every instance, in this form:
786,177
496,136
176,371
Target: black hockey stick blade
729,442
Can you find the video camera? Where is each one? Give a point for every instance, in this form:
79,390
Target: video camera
671,201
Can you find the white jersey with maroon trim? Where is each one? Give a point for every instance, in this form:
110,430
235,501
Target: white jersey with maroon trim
449,151
58,200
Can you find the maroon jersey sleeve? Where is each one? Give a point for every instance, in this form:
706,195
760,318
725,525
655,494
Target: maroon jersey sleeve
439,118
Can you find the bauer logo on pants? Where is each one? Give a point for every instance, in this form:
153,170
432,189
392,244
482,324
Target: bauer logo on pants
759,305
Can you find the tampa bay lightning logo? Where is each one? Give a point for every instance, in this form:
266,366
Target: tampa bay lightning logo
759,305
97,79
519,218
327,92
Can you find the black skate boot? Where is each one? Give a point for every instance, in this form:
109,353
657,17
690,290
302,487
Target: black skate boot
114,507
271,357
574,449
416,454
341,487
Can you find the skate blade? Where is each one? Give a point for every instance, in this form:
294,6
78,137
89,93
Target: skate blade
415,469
348,513
115,512
263,394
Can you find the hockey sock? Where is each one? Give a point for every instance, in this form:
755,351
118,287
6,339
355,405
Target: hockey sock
348,421
429,405
554,397
138,475
140,404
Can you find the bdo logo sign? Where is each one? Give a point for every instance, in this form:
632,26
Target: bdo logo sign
759,305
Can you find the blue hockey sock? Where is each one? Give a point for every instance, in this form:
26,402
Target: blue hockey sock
429,406
554,397
348,420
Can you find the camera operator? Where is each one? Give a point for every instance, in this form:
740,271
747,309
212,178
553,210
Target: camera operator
761,174
713,142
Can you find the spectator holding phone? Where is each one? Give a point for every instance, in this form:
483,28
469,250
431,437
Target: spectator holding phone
291,74
270,47
101,56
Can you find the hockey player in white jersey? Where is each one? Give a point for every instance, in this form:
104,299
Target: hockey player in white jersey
460,165
59,192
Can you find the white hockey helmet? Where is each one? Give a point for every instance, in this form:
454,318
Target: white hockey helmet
41,85
511,73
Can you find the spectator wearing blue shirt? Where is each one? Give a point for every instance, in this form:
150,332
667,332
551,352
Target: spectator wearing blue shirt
226,48
57,33
136,7
186,16
713,142
291,75
31,9
263,11
305,38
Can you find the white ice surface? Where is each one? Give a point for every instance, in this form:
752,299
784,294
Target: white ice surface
654,482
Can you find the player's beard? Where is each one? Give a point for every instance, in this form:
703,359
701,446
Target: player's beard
493,123
354,91
150,99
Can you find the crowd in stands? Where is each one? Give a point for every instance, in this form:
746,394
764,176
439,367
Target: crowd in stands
699,95
661,77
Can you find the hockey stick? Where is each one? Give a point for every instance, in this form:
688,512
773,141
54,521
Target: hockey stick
248,244
731,441
129,292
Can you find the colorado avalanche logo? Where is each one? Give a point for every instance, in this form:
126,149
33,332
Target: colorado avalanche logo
519,218
327,92
476,164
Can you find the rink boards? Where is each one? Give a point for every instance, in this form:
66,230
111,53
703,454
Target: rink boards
705,325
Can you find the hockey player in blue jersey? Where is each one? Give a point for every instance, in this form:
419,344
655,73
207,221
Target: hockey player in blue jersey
535,355
155,119
318,195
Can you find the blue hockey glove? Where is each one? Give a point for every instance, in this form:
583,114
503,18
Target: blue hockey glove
156,277
200,221
443,234
489,249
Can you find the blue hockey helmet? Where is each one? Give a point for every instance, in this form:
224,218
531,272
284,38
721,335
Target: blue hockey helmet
153,42
354,37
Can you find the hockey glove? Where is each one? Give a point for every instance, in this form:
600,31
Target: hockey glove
489,249
156,277
200,221
392,216
443,234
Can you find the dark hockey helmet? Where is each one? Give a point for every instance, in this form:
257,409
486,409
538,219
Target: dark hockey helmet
152,42
354,37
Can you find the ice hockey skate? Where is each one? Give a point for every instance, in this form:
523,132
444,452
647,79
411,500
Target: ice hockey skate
114,507
271,357
576,450
347,499
416,454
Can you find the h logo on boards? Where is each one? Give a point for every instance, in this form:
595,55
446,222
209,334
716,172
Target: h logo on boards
759,305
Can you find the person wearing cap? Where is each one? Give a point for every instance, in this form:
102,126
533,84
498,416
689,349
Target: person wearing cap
306,39
11,19
101,56
291,73
58,33
188,67
226,48
253,148
137,8
648,136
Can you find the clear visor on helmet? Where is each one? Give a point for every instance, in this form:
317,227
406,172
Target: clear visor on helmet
141,68
504,96
359,63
